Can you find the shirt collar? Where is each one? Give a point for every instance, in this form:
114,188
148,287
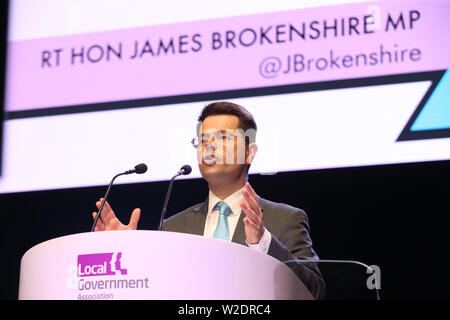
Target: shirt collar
232,201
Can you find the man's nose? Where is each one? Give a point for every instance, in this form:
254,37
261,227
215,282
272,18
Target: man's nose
211,143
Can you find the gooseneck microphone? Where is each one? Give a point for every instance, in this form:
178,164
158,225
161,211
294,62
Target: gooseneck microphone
139,169
185,170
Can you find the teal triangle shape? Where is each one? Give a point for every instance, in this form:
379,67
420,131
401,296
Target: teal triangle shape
436,112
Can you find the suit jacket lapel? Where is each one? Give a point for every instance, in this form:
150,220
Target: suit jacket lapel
197,218
239,232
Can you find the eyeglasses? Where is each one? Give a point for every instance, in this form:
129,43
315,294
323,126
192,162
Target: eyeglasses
220,138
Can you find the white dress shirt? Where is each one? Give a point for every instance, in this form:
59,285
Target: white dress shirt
232,201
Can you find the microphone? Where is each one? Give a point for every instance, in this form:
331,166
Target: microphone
139,169
185,170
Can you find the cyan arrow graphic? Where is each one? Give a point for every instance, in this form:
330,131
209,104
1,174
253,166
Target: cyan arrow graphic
431,119
436,112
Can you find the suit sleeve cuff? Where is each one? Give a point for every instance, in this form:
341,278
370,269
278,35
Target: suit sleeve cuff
263,244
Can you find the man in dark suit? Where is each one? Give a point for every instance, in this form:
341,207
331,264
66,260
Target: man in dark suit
233,212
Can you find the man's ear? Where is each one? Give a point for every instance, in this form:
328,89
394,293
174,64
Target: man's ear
252,149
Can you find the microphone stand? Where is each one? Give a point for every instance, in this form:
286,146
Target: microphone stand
104,199
166,201
139,169
185,170
368,268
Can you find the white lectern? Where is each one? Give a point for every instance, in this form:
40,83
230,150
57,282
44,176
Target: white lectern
153,265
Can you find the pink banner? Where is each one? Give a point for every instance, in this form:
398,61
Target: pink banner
292,47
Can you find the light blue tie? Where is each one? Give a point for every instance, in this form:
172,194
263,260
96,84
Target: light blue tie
222,231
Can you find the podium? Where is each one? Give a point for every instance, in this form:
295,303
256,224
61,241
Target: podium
153,265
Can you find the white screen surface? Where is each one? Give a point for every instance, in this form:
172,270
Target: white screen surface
307,119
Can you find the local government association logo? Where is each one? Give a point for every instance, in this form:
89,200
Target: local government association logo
101,276
100,264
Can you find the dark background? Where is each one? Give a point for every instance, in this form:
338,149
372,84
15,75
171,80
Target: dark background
393,216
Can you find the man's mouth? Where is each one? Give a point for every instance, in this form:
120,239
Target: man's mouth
209,160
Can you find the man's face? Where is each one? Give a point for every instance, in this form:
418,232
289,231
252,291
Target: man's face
222,154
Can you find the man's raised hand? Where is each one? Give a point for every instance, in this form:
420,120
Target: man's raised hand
108,220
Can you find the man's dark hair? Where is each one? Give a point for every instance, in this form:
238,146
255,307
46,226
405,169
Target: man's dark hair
246,120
